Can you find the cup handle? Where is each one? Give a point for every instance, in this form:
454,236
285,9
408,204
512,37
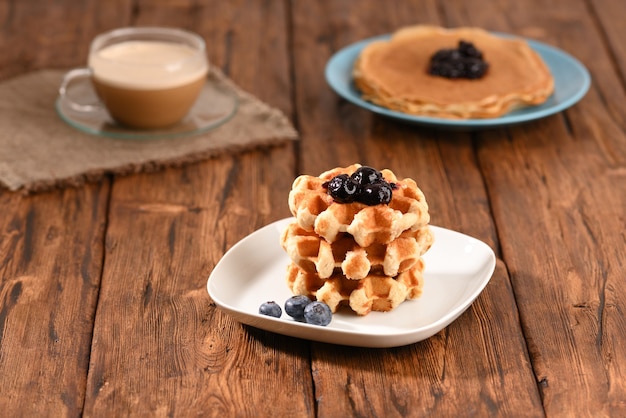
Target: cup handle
68,78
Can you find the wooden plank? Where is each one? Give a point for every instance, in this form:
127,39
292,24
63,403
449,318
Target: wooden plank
51,244
58,36
610,17
465,369
606,121
324,120
554,202
566,284
51,248
161,347
555,189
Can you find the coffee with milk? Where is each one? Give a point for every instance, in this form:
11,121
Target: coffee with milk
148,78
147,84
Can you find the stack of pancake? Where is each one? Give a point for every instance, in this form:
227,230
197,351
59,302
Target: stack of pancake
394,74
365,257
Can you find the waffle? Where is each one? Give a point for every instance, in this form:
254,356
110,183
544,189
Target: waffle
316,211
376,292
393,74
313,254
368,258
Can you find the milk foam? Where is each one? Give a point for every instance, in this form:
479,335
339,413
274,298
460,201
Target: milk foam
148,64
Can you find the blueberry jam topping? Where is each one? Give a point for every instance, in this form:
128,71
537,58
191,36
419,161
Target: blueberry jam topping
366,185
463,62
366,175
342,188
373,194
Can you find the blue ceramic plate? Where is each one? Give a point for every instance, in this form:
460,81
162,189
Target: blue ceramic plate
571,82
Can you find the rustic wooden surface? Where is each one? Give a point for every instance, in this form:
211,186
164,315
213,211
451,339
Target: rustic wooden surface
103,307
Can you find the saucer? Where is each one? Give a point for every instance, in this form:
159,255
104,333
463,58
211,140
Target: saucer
216,104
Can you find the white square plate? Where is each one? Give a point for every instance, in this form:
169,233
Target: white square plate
458,267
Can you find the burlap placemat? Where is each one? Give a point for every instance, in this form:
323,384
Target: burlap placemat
39,151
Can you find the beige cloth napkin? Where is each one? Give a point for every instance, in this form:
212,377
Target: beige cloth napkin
39,151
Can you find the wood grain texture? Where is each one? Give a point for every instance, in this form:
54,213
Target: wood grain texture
608,17
103,307
51,248
463,369
161,347
550,179
34,36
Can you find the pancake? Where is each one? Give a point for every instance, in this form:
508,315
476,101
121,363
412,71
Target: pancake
394,74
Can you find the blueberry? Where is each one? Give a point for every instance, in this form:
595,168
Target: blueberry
342,189
375,194
271,309
366,175
455,55
466,61
475,68
318,313
441,55
469,50
294,306
366,185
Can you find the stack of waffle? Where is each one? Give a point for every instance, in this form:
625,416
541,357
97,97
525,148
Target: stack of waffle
366,257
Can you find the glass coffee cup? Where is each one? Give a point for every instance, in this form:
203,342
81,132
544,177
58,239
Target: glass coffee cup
145,77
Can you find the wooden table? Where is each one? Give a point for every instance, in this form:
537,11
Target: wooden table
103,302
